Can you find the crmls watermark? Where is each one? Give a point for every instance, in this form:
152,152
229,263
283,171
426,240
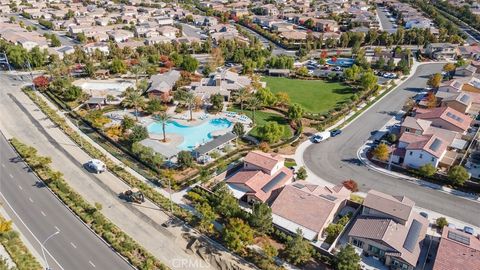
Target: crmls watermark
189,264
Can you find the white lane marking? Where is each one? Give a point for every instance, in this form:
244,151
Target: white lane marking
43,214
90,262
20,187
56,228
11,176
30,199
30,231
73,245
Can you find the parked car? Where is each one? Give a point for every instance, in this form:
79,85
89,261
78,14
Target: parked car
320,137
335,132
469,230
423,214
95,165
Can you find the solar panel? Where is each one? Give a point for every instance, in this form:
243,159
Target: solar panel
435,145
298,185
329,197
454,117
412,236
459,238
270,185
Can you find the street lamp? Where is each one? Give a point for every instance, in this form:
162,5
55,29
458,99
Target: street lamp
43,248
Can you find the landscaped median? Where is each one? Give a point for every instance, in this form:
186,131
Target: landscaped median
91,215
14,246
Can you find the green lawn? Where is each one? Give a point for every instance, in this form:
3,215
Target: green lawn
263,117
315,96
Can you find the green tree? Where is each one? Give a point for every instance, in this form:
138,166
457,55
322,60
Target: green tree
138,133
225,204
185,159
254,104
189,63
302,173
239,130
154,106
298,250
427,170
127,123
352,73
347,259
118,66
242,97
217,102
72,93
134,99
441,222
368,80
237,235
458,175
261,218
266,96
207,216
81,37
271,132
381,152
295,112
54,41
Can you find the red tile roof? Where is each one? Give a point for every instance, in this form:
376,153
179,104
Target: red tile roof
454,255
263,160
447,114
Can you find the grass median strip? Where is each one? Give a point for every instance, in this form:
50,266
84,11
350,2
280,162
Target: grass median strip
91,215
14,246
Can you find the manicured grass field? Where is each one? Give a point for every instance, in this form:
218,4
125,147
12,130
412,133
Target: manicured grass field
262,117
315,96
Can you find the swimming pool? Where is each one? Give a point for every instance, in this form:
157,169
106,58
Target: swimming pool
341,62
193,136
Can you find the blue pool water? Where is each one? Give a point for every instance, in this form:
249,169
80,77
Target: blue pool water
192,135
341,62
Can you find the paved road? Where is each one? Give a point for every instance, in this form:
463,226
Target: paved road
66,41
191,31
385,22
336,159
75,247
277,50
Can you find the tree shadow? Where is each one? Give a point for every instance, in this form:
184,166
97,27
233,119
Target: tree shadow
354,161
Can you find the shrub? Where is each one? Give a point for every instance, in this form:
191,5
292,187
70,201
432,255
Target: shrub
441,222
458,175
427,170
302,173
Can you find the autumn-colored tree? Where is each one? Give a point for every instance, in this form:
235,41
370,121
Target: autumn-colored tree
381,152
431,100
41,82
435,80
351,185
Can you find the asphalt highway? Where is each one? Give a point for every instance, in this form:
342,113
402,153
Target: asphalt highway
336,159
39,214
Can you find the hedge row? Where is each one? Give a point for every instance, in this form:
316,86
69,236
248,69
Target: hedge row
120,241
117,170
19,253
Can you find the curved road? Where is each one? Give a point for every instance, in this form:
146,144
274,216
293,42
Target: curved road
336,159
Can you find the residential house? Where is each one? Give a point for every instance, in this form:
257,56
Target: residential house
418,150
169,31
120,35
461,102
457,250
262,174
466,71
390,230
326,25
441,51
161,85
308,207
446,118
100,46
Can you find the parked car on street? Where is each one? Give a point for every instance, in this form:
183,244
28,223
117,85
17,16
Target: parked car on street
335,132
320,137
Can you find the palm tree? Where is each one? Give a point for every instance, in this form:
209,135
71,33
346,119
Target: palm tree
134,99
243,96
189,99
253,104
163,118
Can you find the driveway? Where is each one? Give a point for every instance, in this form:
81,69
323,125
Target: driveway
336,159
